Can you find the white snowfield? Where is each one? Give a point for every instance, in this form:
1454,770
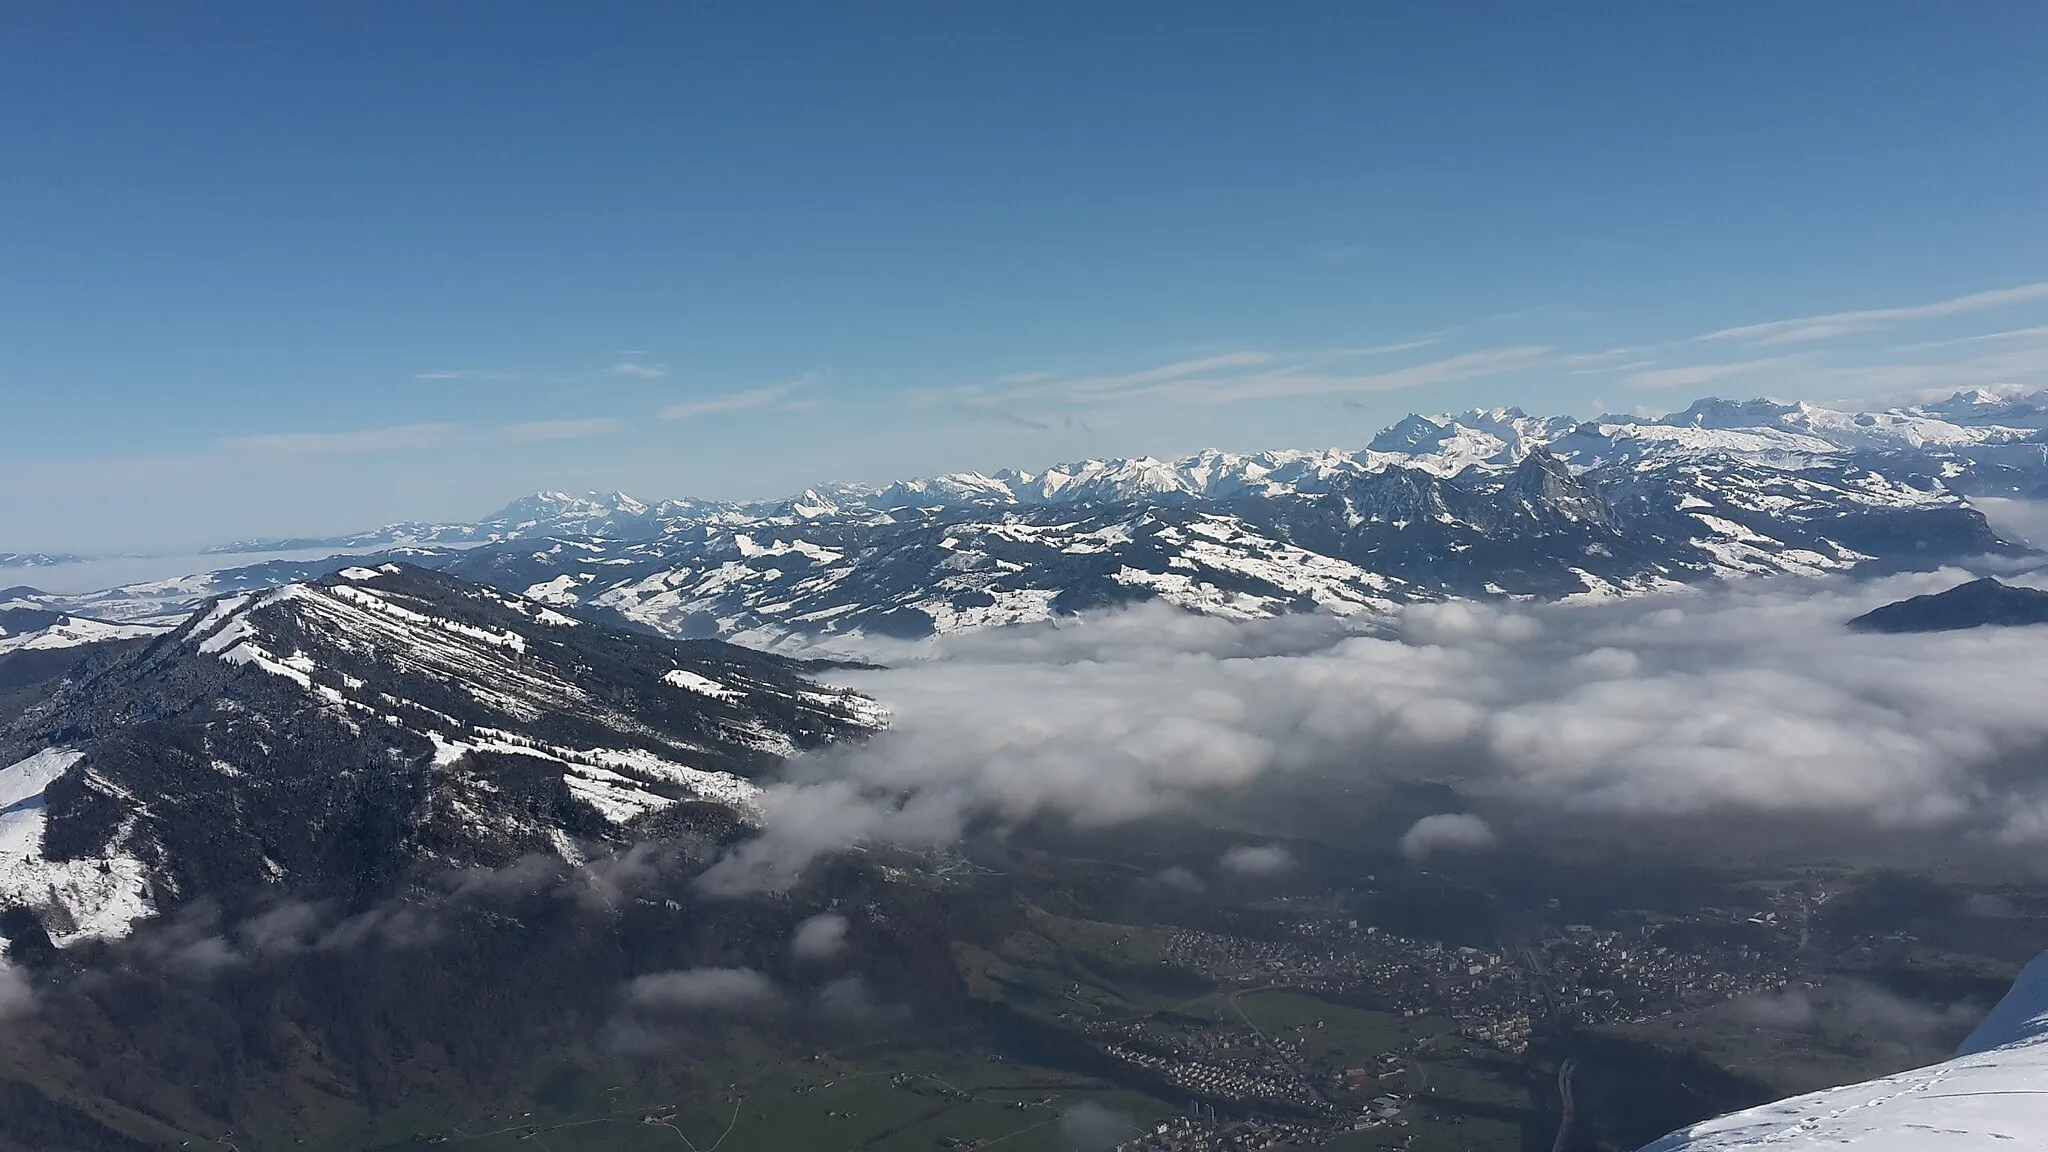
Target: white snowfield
72,631
1993,1095
97,897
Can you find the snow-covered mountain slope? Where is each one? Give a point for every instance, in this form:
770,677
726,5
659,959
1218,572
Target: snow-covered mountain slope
1993,1095
35,630
1492,503
335,736
613,515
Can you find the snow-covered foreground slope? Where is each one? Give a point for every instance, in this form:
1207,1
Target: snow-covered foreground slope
1993,1095
334,736
101,894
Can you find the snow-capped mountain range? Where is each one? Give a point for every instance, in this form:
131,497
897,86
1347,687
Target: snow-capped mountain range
1492,503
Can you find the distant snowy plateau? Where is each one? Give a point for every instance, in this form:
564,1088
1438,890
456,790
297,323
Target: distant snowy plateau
1485,504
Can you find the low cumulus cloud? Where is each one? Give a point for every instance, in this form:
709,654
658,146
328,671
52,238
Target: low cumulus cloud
1777,1011
1985,905
196,941
199,941
850,1000
1256,860
706,990
1446,831
1090,1127
1749,697
658,1009
16,996
2023,520
1855,1007
821,937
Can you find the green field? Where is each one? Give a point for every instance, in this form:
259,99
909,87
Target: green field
759,1100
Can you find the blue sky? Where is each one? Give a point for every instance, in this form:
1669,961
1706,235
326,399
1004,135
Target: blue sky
292,268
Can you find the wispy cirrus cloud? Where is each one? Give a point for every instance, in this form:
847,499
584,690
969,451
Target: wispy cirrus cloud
1818,361
418,437
354,441
1248,375
1894,376
778,397
1692,375
2034,335
2008,368
462,374
637,370
1836,324
544,431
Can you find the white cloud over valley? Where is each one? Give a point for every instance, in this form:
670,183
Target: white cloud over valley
1752,697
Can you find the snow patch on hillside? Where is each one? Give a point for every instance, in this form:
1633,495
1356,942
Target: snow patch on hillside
92,898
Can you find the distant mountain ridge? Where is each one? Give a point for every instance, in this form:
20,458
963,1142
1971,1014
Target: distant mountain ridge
1977,604
1493,503
1981,429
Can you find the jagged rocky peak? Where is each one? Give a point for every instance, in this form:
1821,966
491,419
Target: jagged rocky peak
1978,406
333,736
1543,484
1411,433
1400,496
950,488
561,509
1714,412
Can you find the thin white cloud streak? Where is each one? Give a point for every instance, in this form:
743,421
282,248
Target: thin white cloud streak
1751,699
1828,327
752,400
2005,371
456,374
2010,335
1893,378
1163,374
1694,375
418,437
545,431
637,371
402,438
1449,370
1250,376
